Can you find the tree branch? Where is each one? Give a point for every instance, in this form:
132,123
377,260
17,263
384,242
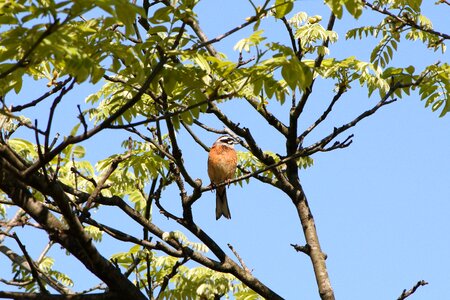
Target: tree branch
33,267
76,139
322,117
37,296
74,239
241,261
406,293
57,88
406,21
169,276
24,60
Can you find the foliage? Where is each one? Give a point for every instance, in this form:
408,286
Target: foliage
155,76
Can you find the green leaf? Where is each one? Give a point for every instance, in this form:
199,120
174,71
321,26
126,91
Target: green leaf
79,151
354,7
94,233
283,7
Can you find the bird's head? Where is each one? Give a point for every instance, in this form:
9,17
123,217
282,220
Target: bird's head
226,140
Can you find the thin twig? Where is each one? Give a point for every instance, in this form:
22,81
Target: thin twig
241,261
24,60
304,249
210,129
58,87
33,266
112,167
169,276
406,293
55,103
406,21
194,136
107,122
322,117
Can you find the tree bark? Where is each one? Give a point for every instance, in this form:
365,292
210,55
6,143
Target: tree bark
312,243
77,243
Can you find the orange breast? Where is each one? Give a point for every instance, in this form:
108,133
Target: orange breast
222,161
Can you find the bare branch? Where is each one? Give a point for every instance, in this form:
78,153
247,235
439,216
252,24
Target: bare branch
241,261
291,36
319,146
268,116
406,293
16,283
317,63
169,276
444,1
304,249
34,268
58,87
112,167
339,145
406,21
194,136
209,129
322,117
36,296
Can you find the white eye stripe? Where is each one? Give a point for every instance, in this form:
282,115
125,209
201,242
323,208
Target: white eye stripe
227,140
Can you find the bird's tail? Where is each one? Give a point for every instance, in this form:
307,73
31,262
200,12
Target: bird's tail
222,203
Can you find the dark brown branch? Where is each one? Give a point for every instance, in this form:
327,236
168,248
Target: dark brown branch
317,63
39,150
79,138
406,293
152,194
406,21
19,260
177,155
16,283
33,267
38,296
82,119
24,60
112,167
207,43
209,129
161,117
322,117
122,236
158,145
291,36
241,261
58,87
268,116
71,234
304,249
78,173
22,263
339,145
169,276
194,136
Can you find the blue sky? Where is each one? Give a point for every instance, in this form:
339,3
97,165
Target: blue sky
381,206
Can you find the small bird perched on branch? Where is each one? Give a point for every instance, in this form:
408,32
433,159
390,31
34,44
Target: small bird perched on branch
222,162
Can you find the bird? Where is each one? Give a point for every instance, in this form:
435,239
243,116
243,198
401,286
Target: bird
222,162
